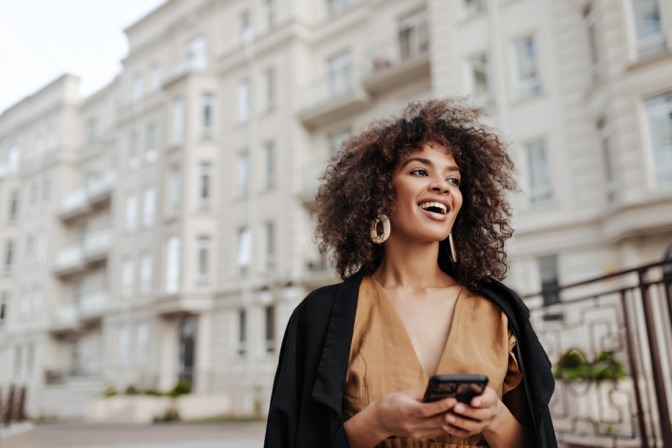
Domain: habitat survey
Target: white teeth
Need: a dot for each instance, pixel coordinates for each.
(438, 205)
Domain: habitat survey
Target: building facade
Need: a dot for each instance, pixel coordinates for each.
(161, 229)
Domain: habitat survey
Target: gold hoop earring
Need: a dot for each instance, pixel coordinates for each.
(453, 252)
(376, 237)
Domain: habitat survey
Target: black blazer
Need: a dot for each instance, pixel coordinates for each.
(306, 404)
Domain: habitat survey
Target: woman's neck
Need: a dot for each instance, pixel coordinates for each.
(412, 266)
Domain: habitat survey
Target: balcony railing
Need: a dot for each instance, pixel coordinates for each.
(92, 304)
(80, 200)
(70, 259)
(97, 244)
(335, 94)
(610, 349)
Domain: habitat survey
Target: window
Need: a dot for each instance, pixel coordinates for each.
(9, 257)
(146, 273)
(46, 190)
(659, 118)
(269, 314)
(52, 140)
(32, 199)
(245, 33)
(148, 206)
(174, 191)
(14, 159)
(529, 83)
(134, 150)
(590, 20)
(473, 7)
(131, 218)
(244, 250)
(243, 101)
(137, 87)
(269, 156)
(269, 77)
(271, 13)
(141, 343)
(150, 142)
(336, 6)
(242, 332)
(605, 135)
(4, 303)
(269, 231)
(205, 186)
(124, 344)
(206, 117)
(649, 28)
(14, 206)
(413, 35)
(91, 130)
(18, 361)
(155, 78)
(339, 69)
(197, 54)
(336, 140)
(172, 279)
(243, 174)
(203, 250)
(538, 174)
(478, 71)
(127, 277)
(177, 131)
(548, 273)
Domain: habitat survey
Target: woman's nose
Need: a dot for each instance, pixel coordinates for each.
(440, 186)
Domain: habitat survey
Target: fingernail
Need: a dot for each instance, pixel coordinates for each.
(459, 408)
(477, 402)
(450, 418)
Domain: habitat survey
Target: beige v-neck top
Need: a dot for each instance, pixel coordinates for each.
(383, 360)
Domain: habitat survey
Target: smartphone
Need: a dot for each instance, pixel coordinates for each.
(462, 387)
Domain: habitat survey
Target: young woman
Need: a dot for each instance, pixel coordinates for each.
(415, 214)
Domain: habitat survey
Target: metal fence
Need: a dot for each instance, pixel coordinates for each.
(12, 405)
(609, 340)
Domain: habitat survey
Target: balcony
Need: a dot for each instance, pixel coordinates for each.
(70, 261)
(97, 191)
(180, 304)
(184, 68)
(92, 305)
(100, 188)
(391, 64)
(74, 204)
(65, 320)
(97, 245)
(332, 97)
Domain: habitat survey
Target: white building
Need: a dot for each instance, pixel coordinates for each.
(161, 228)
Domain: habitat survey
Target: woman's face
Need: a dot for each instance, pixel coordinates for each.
(427, 193)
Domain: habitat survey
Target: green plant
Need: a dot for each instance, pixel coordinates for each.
(574, 365)
(182, 387)
(109, 391)
(131, 390)
(153, 393)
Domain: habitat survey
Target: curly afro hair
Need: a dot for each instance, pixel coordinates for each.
(357, 187)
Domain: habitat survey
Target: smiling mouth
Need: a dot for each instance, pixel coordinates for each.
(434, 207)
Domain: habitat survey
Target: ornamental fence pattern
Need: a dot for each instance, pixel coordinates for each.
(609, 340)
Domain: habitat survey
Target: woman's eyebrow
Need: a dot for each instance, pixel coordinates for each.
(428, 163)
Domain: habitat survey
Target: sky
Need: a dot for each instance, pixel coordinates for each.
(42, 39)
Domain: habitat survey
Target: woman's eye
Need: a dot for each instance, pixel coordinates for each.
(419, 172)
(454, 180)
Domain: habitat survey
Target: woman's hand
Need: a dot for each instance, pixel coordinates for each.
(477, 417)
(404, 414)
(400, 414)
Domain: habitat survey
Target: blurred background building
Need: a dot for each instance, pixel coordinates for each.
(162, 228)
